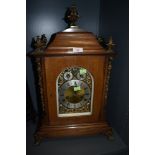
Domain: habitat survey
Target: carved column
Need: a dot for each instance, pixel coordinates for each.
(109, 67)
(40, 81)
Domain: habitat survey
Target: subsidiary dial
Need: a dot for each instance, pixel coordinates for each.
(81, 76)
(68, 76)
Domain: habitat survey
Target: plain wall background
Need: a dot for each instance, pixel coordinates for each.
(114, 20)
(105, 18)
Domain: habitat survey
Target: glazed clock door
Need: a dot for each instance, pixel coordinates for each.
(75, 87)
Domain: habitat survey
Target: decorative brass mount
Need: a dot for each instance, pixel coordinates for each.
(39, 42)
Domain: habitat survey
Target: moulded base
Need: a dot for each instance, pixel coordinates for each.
(73, 130)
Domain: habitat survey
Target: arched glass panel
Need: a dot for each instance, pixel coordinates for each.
(75, 90)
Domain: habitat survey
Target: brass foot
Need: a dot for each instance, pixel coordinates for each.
(109, 134)
(37, 139)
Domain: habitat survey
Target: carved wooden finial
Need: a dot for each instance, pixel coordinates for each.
(72, 15)
(110, 44)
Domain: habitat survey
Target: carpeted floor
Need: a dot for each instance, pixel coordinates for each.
(87, 145)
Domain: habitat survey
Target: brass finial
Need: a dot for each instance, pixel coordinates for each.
(110, 44)
(72, 15)
(40, 42)
(101, 40)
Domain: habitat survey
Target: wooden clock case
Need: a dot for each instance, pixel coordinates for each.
(50, 61)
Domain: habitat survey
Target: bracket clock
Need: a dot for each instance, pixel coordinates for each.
(73, 76)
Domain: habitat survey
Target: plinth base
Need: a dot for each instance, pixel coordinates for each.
(72, 130)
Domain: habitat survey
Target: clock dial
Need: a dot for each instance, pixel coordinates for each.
(74, 92)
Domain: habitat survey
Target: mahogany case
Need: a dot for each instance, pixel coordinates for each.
(51, 61)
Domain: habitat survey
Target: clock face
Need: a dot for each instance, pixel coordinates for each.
(74, 92)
